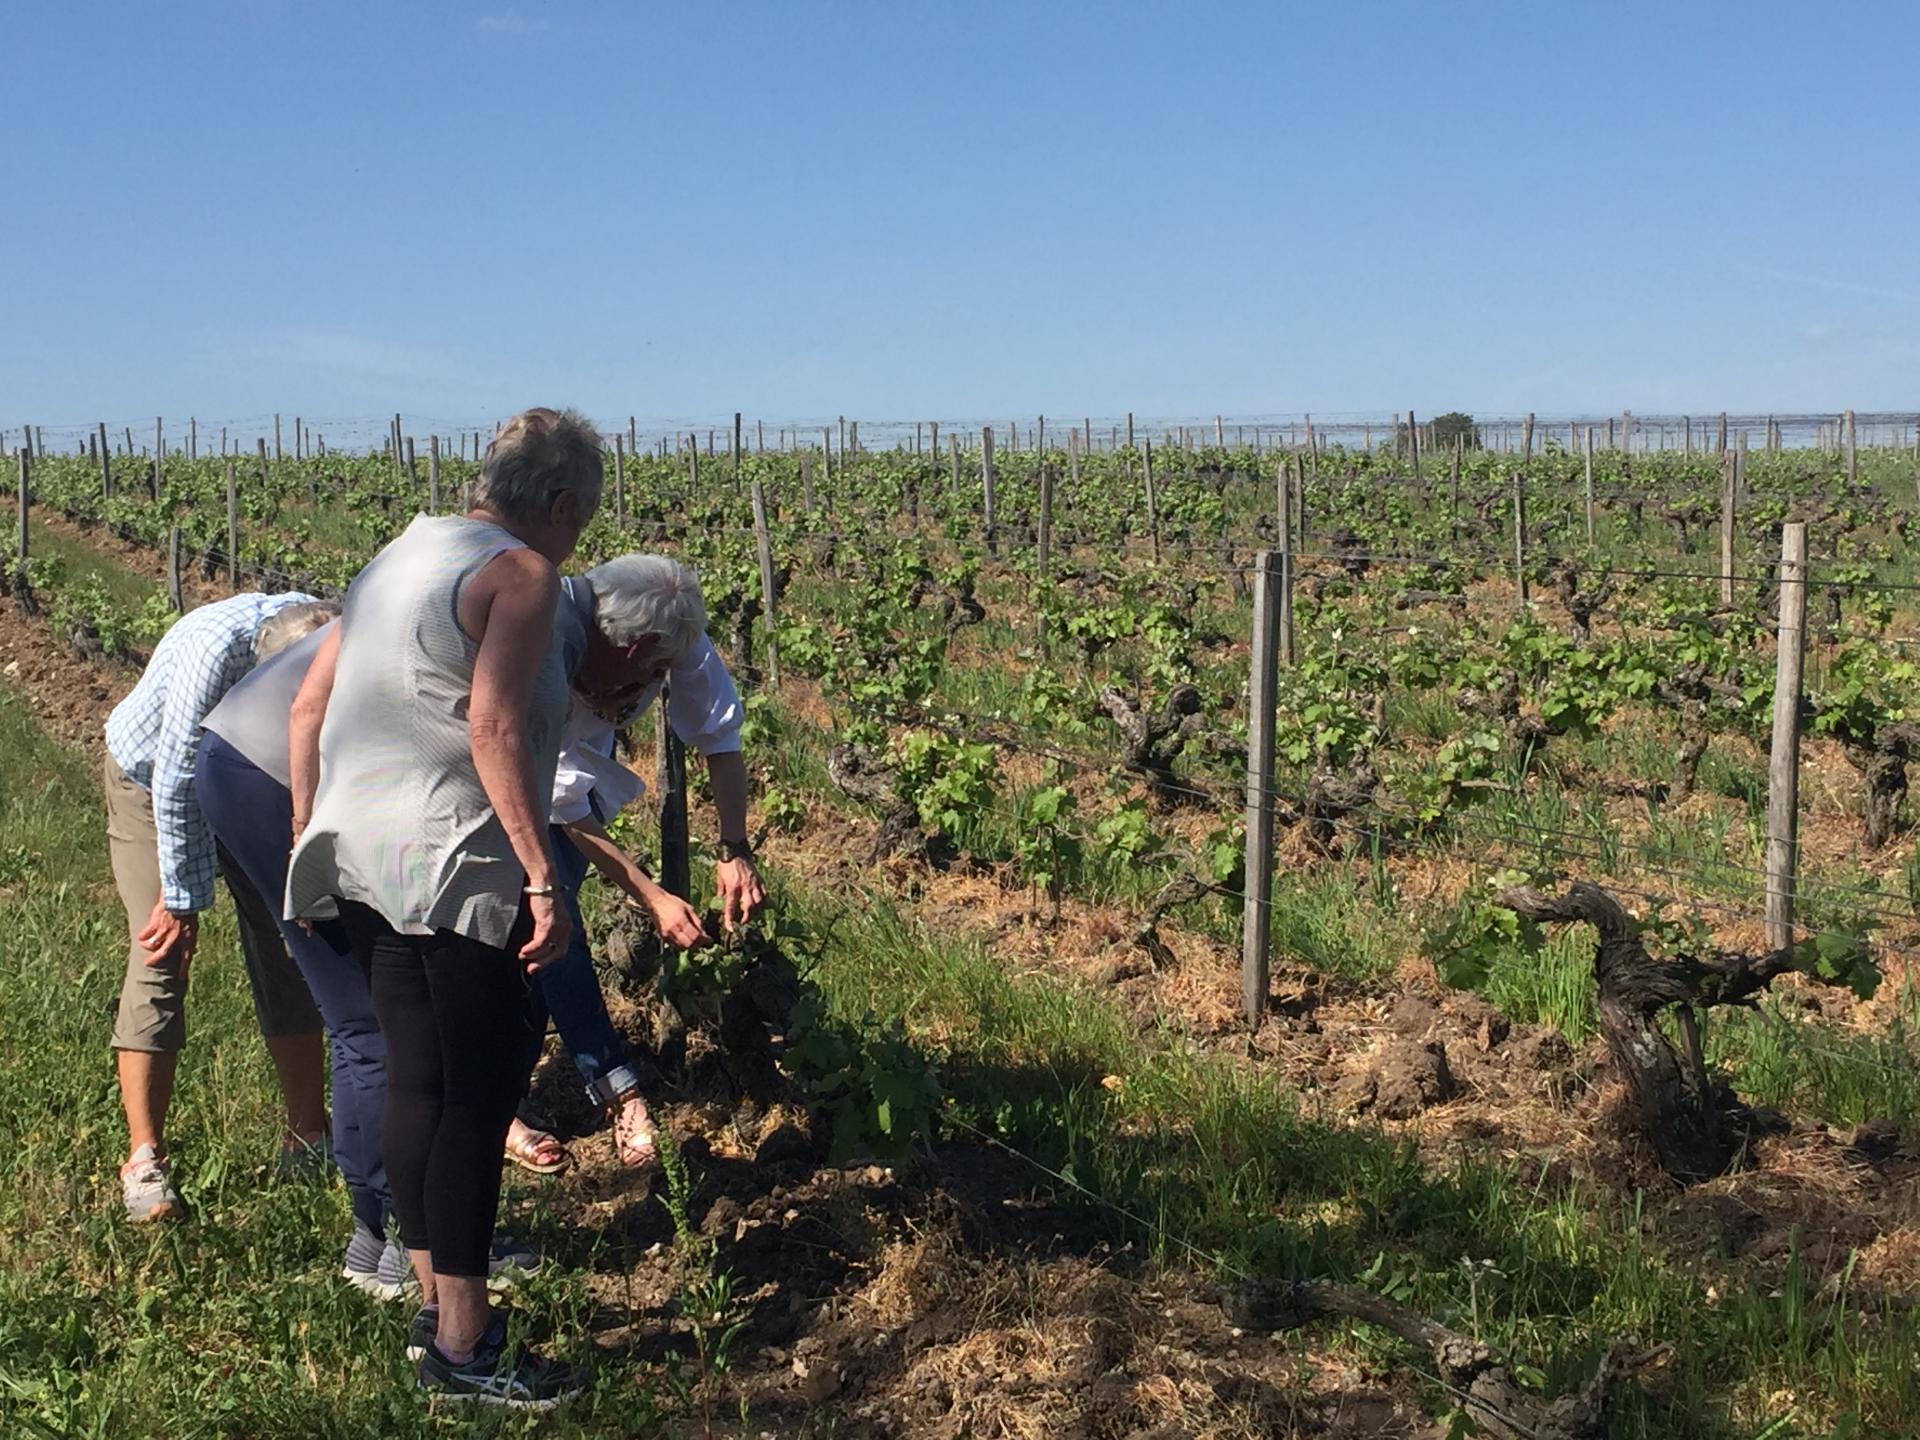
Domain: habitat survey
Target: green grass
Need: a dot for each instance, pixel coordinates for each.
(77, 560)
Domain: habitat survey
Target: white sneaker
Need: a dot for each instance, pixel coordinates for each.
(147, 1184)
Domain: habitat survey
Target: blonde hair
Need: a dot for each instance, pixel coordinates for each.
(535, 454)
(283, 627)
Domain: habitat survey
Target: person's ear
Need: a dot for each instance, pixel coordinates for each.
(565, 510)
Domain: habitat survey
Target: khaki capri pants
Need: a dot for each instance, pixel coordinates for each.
(152, 1014)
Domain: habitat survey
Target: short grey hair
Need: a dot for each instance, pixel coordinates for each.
(639, 595)
(535, 454)
(294, 622)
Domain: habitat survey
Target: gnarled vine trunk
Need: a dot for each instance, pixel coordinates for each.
(1697, 1126)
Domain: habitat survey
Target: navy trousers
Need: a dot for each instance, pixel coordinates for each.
(252, 814)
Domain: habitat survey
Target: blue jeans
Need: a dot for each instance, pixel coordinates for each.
(572, 992)
(252, 814)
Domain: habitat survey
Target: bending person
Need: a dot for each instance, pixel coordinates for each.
(658, 600)
(165, 858)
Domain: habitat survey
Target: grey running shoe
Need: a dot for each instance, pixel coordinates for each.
(509, 1261)
(377, 1267)
(500, 1374)
(426, 1325)
(147, 1183)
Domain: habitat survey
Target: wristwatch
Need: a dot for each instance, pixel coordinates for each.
(736, 849)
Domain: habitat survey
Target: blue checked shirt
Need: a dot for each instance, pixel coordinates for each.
(154, 734)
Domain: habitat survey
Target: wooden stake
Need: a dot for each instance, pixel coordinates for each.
(1520, 536)
(175, 592)
(986, 481)
(1589, 484)
(1284, 575)
(1783, 770)
(1413, 440)
(1526, 441)
(1256, 928)
(433, 474)
(1853, 454)
(676, 862)
(26, 484)
(106, 467)
(233, 528)
(1726, 527)
(1153, 501)
(620, 481)
(276, 437)
(763, 545)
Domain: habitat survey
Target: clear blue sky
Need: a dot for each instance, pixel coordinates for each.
(908, 209)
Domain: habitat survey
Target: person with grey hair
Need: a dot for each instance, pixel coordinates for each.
(421, 748)
(647, 608)
(165, 859)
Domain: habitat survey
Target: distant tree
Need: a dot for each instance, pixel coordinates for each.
(1454, 426)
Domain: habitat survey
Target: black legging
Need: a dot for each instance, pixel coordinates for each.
(462, 1031)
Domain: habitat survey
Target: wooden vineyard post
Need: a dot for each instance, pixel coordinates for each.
(299, 441)
(1153, 501)
(1300, 498)
(233, 528)
(933, 441)
(159, 456)
(413, 475)
(433, 474)
(1453, 487)
(1130, 429)
(1045, 538)
(1727, 502)
(986, 482)
(1853, 455)
(1783, 772)
(953, 444)
(106, 466)
(1256, 928)
(175, 592)
(1686, 426)
(1721, 443)
(1413, 440)
(1219, 433)
(1589, 484)
(1520, 536)
(620, 481)
(1526, 441)
(763, 547)
(826, 456)
(760, 437)
(276, 437)
(1285, 574)
(633, 438)
(262, 443)
(676, 862)
(736, 452)
(806, 476)
(193, 438)
(26, 484)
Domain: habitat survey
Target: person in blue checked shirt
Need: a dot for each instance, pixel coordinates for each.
(165, 859)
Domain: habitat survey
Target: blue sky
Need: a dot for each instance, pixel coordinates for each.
(912, 209)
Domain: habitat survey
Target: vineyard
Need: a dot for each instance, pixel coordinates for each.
(1581, 1093)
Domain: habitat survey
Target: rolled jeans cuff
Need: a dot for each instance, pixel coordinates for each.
(607, 1088)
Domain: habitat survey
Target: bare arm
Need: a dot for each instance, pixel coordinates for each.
(679, 922)
(509, 606)
(303, 728)
(742, 893)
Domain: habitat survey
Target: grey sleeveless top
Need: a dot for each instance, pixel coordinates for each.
(401, 822)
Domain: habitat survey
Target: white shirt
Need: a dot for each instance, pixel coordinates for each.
(703, 707)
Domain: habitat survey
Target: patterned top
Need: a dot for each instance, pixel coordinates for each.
(401, 822)
(154, 733)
